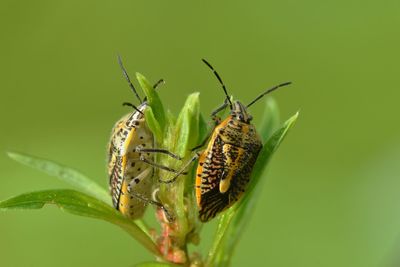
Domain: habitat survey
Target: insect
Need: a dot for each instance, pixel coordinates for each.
(225, 165)
(131, 160)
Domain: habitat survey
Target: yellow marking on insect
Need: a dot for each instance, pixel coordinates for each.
(198, 178)
(131, 160)
(126, 168)
(233, 166)
(225, 165)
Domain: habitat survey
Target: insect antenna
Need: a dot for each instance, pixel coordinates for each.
(132, 106)
(125, 73)
(267, 92)
(157, 84)
(220, 81)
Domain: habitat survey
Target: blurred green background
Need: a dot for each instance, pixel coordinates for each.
(332, 192)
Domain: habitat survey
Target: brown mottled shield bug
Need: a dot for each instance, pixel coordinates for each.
(131, 160)
(225, 165)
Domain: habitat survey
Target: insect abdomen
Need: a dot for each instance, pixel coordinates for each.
(225, 167)
(126, 169)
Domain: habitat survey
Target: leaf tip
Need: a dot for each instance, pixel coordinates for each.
(193, 98)
(140, 76)
(11, 154)
(293, 119)
(296, 114)
(21, 158)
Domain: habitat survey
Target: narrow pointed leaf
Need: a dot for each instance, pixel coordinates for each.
(188, 124)
(153, 99)
(233, 221)
(79, 204)
(153, 124)
(270, 119)
(267, 151)
(66, 174)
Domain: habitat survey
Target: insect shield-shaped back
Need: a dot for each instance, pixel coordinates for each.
(127, 171)
(131, 161)
(225, 166)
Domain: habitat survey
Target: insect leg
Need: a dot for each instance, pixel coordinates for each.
(202, 143)
(162, 167)
(182, 171)
(140, 149)
(153, 202)
(214, 116)
(216, 119)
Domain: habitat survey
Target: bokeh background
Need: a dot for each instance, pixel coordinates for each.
(332, 195)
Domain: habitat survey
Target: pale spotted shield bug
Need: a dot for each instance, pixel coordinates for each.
(226, 163)
(131, 160)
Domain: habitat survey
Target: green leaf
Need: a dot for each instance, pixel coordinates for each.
(270, 119)
(70, 176)
(233, 222)
(64, 173)
(153, 124)
(267, 151)
(187, 125)
(153, 99)
(79, 204)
